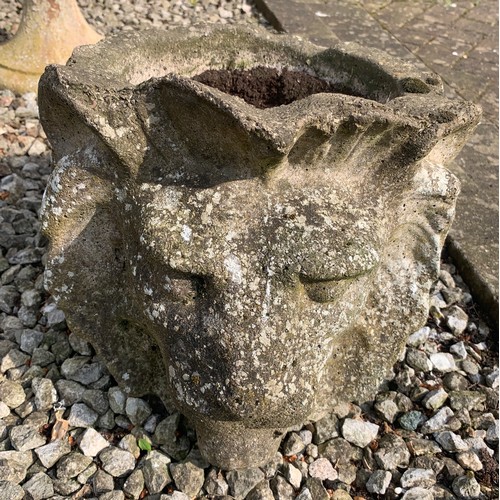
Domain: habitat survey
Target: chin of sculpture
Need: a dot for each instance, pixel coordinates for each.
(244, 224)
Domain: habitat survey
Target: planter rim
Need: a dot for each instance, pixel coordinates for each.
(186, 52)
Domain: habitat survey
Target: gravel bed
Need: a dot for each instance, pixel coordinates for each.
(68, 431)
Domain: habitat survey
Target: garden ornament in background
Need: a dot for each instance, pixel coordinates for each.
(245, 224)
(48, 33)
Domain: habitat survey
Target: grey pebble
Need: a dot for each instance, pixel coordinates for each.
(82, 416)
(422, 478)
(188, 477)
(241, 482)
(117, 462)
(392, 452)
(466, 487)
(134, 484)
(71, 465)
(39, 486)
(50, 453)
(261, 492)
(45, 393)
(102, 482)
(359, 432)
(379, 482)
(26, 437)
(11, 491)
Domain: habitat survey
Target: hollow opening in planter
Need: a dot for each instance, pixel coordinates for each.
(265, 87)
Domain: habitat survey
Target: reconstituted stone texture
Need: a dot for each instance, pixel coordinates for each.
(458, 41)
(479, 379)
(206, 246)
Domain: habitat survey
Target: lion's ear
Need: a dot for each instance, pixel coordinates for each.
(77, 115)
(201, 135)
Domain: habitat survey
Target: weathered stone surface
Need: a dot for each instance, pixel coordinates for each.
(39, 486)
(358, 432)
(26, 437)
(71, 465)
(12, 393)
(117, 462)
(421, 478)
(221, 251)
(11, 491)
(155, 470)
(188, 477)
(50, 453)
(378, 482)
(241, 482)
(92, 443)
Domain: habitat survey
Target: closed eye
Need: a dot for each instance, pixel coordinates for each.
(329, 290)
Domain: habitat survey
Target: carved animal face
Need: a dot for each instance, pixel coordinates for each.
(252, 265)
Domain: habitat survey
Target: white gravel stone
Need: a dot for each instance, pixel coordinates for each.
(12, 393)
(26, 437)
(92, 443)
(156, 472)
(379, 482)
(418, 494)
(423, 478)
(359, 432)
(492, 432)
(492, 379)
(11, 491)
(435, 399)
(419, 337)
(466, 487)
(188, 477)
(457, 319)
(323, 469)
(292, 474)
(443, 362)
(438, 422)
(72, 465)
(469, 460)
(134, 484)
(459, 350)
(451, 442)
(4, 409)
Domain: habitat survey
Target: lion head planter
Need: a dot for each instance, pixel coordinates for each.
(245, 224)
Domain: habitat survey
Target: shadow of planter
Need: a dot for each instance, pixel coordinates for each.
(245, 224)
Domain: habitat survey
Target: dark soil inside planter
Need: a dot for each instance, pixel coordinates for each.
(266, 87)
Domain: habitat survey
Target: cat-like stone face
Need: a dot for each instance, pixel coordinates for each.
(252, 266)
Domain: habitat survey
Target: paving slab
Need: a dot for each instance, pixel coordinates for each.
(459, 41)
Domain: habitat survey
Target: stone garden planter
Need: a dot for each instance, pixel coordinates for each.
(244, 224)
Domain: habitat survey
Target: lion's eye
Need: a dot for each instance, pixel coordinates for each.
(328, 290)
(324, 291)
